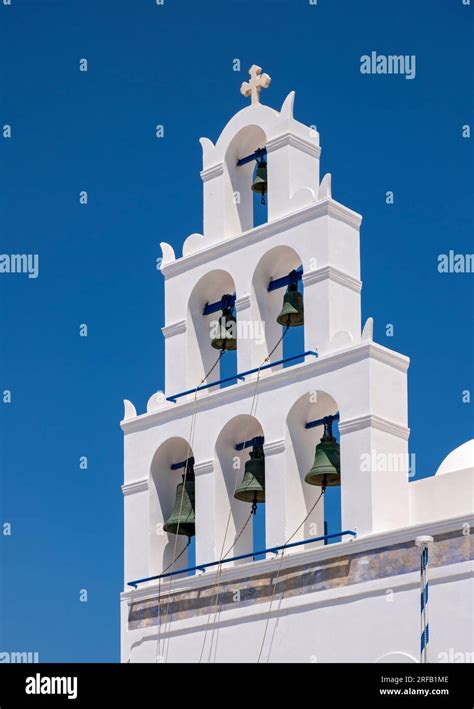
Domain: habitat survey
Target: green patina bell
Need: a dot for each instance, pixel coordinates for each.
(326, 469)
(182, 519)
(260, 185)
(226, 337)
(292, 313)
(252, 487)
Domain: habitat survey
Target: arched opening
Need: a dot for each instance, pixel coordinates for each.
(242, 206)
(233, 514)
(305, 428)
(204, 320)
(270, 284)
(166, 474)
(396, 658)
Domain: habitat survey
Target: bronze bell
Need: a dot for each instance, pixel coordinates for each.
(226, 338)
(326, 469)
(182, 519)
(252, 487)
(292, 312)
(260, 185)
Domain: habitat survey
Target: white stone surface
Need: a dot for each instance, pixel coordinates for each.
(365, 382)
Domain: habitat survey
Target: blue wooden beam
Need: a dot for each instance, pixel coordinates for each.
(260, 153)
(272, 550)
(215, 307)
(320, 422)
(182, 464)
(239, 375)
(292, 277)
(257, 441)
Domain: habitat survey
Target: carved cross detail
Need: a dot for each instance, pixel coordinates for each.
(258, 81)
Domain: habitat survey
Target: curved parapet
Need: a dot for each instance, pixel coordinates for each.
(167, 254)
(286, 111)
(194, 242)
(325, 188)
(129, 411)
(207, 148)
(302, 198)
(340, 340)
(368, 331)
(156, 402)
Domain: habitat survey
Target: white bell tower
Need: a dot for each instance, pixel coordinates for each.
(344, 372)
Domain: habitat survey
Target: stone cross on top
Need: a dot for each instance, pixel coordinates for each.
(258, 81)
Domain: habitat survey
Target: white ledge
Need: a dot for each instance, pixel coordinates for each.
(317, 599)
(274, 447)
(306, 370)
(372, 421)
(203, 468)
(305, 146)
(175, 328)
(242, 303)
(136, 486)
(333, 274)
(349, 547)
(325, 208)
(214, 171)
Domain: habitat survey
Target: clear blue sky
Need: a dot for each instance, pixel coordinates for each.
(94, 131)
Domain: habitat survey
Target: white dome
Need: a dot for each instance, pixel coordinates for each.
(461, 458)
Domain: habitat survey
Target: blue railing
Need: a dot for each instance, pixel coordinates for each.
(274, 550)
(239, 375)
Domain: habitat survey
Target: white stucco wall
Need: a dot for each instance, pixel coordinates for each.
(364, 622)
(365, 382)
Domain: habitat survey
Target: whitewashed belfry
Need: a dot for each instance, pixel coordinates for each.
(321, 600)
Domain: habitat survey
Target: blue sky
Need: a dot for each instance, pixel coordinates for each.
(95, 131)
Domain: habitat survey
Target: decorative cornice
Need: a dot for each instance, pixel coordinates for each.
(351, 547)
(174, 328)
(333, 274)
(242, 303)
(207, 466)
(371, 421)
(307, 370)
(296, 142)
(390, 357)
(136, 486)
(325, 208)
(214, 171)
(274, 447)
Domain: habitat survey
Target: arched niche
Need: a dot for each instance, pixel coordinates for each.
(276, 263)
(300, 451)
(200, 354)
(238, 213)
(163, 484)
(231, 514)
(396, 658)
